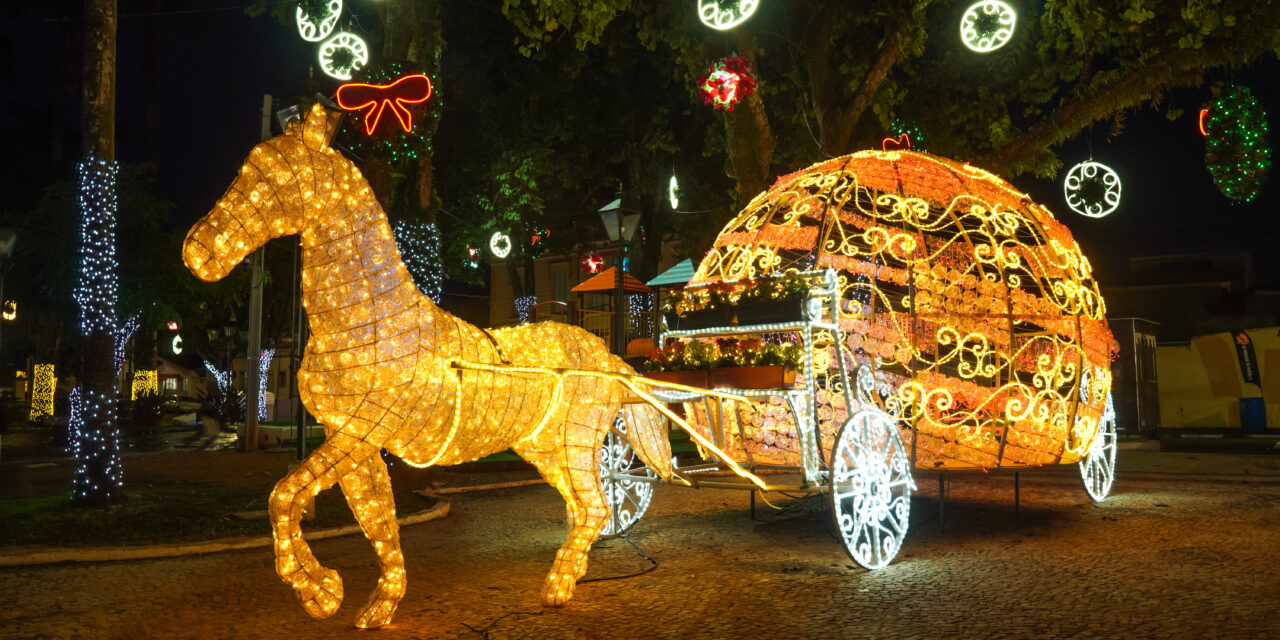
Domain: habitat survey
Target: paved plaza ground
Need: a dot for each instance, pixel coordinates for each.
(1182, 549)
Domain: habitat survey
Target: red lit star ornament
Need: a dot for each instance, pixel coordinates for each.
(377, 98)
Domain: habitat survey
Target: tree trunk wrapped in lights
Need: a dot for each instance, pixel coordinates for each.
(94, 429)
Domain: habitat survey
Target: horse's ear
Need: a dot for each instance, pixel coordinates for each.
(320, 126)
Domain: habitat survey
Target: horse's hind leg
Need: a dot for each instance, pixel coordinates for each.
(569, 459)
(319, 589)
(368, 493)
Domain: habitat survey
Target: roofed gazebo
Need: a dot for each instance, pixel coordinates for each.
(600, 321)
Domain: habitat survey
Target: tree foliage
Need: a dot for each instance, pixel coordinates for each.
(835, 76)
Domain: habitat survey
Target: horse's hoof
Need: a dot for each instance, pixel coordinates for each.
(559, 589)
(377, 613)
(322, 599)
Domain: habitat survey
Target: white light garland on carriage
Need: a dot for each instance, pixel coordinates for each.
(264, 368)
(722, 15)
(176, 345)
(987, 25)
(317, 28)
(673, 192)
(330, 58)
(1092, 189)
(450, 416)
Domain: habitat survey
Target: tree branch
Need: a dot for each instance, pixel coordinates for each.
(751, 139)
(1174, 69)
(817, 62)
(836, 139)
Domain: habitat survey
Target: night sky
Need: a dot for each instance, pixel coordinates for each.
(215, 64)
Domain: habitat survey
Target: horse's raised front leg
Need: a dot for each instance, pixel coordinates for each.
(368, 493)
(319, 589)
(569, 460)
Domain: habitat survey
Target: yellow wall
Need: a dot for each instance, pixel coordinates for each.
(1201, 384)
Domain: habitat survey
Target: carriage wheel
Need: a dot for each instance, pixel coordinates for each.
(871, 488)
(1098, 468)
(627, 498)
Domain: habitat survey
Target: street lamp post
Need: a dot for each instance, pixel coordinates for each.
(621, 225)
(8, 237)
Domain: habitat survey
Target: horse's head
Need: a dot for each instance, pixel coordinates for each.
(283, 184)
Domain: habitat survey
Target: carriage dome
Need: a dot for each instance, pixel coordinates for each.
(972, 304)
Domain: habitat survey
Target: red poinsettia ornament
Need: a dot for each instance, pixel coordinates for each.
(592, 263)
(727, 82)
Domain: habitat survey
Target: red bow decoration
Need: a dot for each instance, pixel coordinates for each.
(903, 143)
(413, 89)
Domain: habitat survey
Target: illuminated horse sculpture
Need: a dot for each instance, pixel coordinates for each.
(378, 371)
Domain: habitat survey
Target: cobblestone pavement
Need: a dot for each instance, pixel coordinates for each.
(1164, 557)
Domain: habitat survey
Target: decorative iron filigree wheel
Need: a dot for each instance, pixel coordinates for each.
(627, 498)
(871, 488)
(1098, 468)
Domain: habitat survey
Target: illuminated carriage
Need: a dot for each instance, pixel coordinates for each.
(969, 312)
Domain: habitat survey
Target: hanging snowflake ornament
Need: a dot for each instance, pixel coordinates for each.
(725, 14)
(343, 55)
(987, 25)
(1237, 150)
(317, 19)
(500, 244)
(1092, 189)
(727, 82)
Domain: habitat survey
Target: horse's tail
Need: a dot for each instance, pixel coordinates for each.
(647, 434)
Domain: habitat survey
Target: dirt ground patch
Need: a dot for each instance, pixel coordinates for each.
(191, 496)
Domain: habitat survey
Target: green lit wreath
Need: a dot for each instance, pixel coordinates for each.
(1236, 150)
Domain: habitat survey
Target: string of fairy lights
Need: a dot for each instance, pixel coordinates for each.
(264, 369)
(96, 289)
(419, 244)
(145, 383)
(123, 334)
(94, 447)
(221, 379)
(93, 427)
